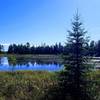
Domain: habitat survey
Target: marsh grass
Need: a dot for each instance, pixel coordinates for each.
(25, 85)
(38, 85)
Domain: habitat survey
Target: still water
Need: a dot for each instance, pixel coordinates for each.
(14, 64)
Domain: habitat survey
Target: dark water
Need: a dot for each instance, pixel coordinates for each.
(20, 63)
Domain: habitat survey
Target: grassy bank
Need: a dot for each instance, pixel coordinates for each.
(33, 85)
(37, 57)
(25, 85)
(32, 55)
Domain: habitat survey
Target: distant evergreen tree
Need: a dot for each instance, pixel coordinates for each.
(72, 80)
(92, 48)
(98, 48)
(27, 46)
(10, 49)
(1, 48)
(87, 50)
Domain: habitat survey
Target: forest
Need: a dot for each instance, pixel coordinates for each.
(91, 49)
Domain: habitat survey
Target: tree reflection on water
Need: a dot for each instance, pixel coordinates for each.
(13, 63)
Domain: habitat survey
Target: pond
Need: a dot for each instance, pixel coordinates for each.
(21, 63)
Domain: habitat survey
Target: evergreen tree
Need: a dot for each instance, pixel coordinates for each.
(1, 48)
(98, 49)
(73, 79)
(92, 48)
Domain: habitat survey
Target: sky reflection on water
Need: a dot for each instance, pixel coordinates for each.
(28, 64)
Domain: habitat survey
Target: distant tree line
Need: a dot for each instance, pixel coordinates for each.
(43, 49)
(91, 49)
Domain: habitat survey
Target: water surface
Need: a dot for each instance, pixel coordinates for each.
(20, 63)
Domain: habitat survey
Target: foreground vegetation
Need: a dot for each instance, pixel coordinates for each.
(29, 85)
(25, 85)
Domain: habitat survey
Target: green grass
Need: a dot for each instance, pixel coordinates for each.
(34, 85)
(25, 85)
(32, 55)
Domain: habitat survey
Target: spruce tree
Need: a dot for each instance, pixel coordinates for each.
(73, 81)
(92, 49)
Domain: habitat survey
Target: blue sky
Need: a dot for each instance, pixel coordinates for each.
(39, 21)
